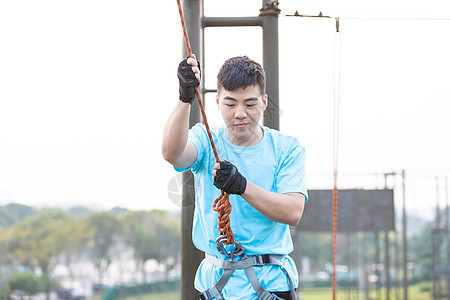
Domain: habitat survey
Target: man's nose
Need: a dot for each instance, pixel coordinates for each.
(240, 112)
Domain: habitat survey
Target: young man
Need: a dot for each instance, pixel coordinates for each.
(263, 170)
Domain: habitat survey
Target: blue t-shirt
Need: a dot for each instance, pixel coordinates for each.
(277, 164)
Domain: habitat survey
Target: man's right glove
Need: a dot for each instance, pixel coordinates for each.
(188, 81)
(229, 180)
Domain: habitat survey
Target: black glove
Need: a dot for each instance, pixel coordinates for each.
(188, 81)
(229, 180)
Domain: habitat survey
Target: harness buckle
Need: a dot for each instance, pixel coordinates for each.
(205, 296)
(262, 260)
(237, 249)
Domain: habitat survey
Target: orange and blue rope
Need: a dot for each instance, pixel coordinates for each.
(222, 203)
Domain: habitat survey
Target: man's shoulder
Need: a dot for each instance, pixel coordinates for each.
(281, 138)
(200, 132)
(200, 127)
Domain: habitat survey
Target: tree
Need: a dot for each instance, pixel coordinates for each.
(13, 213)
(35, 242)
(104, 236)
(3, 262)
(75, 237)
(167, 239)
(26, 281)
(420, 251)
(315, 246)
(152, 235)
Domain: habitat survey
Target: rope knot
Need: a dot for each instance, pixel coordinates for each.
(223, 207)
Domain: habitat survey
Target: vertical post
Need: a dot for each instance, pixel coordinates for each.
(437, 247)
(190, 256)
(366, 269)
(193, 10)
(434, 262)
(405, 242)
(356, 274)
(269, 13)
(387, 265)
(350, 265)
(447, 237)
(397, 265)
(377, 262)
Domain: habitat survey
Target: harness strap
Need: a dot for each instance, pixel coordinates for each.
(223, 280)
(262, 293)
(257, 260)
(247, 263)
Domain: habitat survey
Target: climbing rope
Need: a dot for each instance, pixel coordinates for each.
(336, 109)
(222, 203)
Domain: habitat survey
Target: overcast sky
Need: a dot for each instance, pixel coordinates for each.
(86, 86)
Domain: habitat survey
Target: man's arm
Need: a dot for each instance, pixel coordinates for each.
(176, 148)
(283, 208)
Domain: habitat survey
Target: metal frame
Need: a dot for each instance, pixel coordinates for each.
(195, 23)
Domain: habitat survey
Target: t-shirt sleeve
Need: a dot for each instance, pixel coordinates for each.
(197, 136)
(291, 177)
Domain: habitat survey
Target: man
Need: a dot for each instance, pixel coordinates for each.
(262, 169)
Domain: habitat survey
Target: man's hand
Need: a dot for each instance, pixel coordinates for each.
(189, 78)
(227, 178)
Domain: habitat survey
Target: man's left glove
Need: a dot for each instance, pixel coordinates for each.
(187, 81)
(229, 180)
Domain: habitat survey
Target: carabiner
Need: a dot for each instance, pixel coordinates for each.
(237, 249)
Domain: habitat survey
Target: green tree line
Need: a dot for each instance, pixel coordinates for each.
(39, 240)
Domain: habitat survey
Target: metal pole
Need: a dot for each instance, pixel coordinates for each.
(190, 256)
(387, 265)
(269, 13)
(405, 242)
(437, 246)
(377, 262)
(386, 249)
(397, 265)
(447, 237)
(350, 265)
(356, 264)
(433, 261)
(366, 270)
(231, 21)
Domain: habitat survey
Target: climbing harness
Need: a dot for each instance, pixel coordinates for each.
(246, 263)
(222, 205)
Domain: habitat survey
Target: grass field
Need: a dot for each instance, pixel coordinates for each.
(414, 293)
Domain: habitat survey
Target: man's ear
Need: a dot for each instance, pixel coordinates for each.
(217, 100)
(265, 100)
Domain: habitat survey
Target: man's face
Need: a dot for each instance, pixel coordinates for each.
(241, 111)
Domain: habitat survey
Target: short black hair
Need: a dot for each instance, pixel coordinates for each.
(240, 72)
